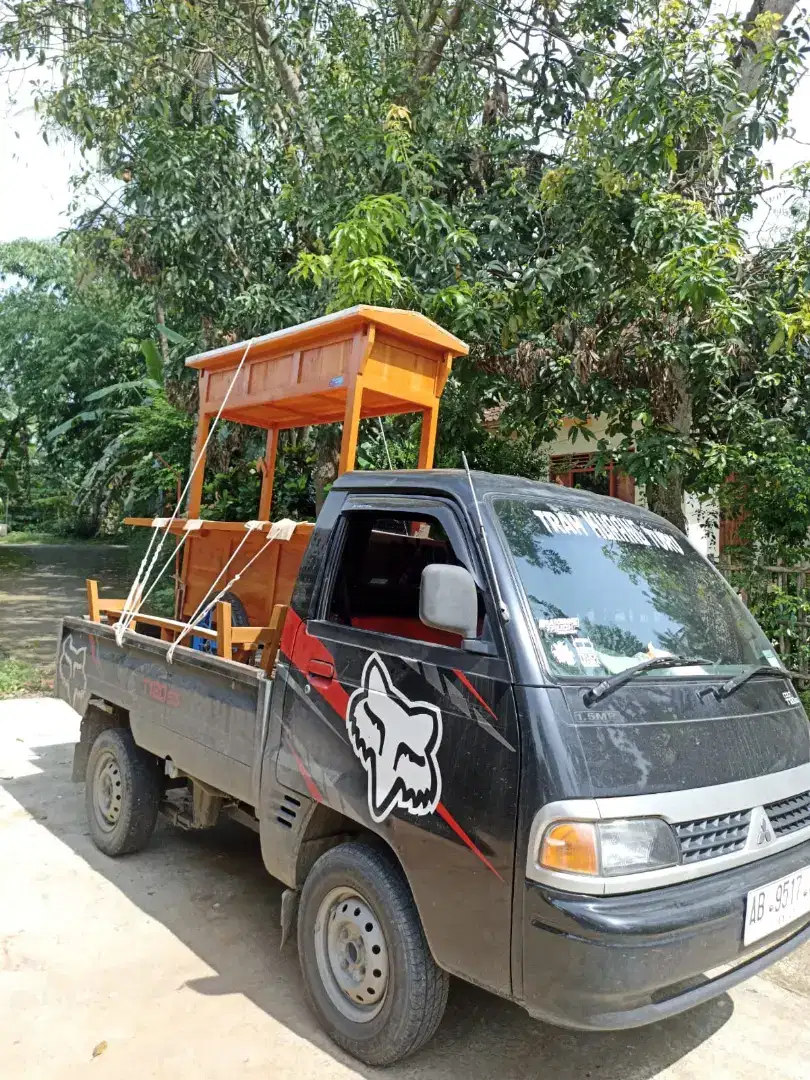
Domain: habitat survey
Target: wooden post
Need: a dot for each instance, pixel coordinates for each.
(427, 444)
(266, 497)
(276, 628)
(92, 600)
(224, 627)
(196, 486)
(351, 426)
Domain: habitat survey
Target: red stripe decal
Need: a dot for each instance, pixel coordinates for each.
(445, 814)
(463, 678)
(311, 788)
(301, 647)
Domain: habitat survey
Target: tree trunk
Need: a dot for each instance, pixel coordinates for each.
(326, 466)
(666, 498)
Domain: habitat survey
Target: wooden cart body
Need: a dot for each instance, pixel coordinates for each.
(362, 362)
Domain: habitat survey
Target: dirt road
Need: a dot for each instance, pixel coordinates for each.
(167, 964)
(41, 582)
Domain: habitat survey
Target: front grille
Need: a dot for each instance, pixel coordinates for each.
(708, 838)
(791, 814)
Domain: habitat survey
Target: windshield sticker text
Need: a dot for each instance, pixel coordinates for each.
(560, 627)
(606, 527)
(586, 652)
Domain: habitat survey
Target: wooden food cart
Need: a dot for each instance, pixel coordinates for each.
(358, 363)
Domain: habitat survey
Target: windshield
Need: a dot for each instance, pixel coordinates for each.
(607, 592)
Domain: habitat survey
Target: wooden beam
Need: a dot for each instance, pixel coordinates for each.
(196, 486)
(240, 635)
(224, 629)
(427, 444)
(92, 600)
(274, 639)
(270, 454)
(351, 426)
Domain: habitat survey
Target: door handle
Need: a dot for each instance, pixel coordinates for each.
(321, 669)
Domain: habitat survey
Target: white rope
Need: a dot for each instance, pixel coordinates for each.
(163, 570)
(131, 604)
(279, 530)
(385, 443)
(203, 608)
(136, 582)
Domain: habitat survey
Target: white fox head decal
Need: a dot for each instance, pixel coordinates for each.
(71, 671)
(396, 740)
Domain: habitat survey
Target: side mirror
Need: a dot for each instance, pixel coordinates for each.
(448, 600)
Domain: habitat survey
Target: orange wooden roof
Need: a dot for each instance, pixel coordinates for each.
(406, 324)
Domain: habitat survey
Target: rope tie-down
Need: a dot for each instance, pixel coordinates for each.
(279, 530)
(135, 596)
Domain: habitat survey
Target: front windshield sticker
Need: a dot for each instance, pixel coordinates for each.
(558, 627)
(771, 658)
(563, 653)
(606, 527)
(586, 652)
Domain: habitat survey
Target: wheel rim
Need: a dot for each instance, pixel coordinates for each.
(352, 954)
(107, 791)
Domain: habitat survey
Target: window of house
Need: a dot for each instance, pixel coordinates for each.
(579, 471)
(378, 580)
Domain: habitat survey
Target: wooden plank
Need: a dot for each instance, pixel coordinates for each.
(302, 528)
(351, 426)
(270, 454)
(93, 609)
(195, 489)
(427, 444)
(274, 639)
(224, 638)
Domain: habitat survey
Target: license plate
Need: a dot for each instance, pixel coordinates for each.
(776, 905)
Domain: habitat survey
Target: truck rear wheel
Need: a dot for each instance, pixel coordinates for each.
(368, 970)
(122, 793)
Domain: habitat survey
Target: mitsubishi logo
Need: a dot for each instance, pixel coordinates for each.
(760, 832)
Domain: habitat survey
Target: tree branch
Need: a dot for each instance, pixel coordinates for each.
(407, 18)
(287, 76)
(433, 57)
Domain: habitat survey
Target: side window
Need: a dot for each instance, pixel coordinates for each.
(376, 584)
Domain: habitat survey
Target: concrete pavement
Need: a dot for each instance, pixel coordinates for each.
(167, 964)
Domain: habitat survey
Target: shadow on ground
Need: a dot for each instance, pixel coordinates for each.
(211, 891)
(47, 581)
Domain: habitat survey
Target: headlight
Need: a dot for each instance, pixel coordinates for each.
(609, 848)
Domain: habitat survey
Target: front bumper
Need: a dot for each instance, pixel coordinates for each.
(607, 962)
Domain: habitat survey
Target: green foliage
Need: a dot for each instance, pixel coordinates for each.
(564, 186)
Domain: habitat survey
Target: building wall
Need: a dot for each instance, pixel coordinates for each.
(701, 517)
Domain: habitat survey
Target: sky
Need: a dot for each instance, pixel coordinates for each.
(35, 191)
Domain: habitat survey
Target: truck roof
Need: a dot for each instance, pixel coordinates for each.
(454, 482)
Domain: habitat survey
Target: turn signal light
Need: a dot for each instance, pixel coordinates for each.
(572, 847)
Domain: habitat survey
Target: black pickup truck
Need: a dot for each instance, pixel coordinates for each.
(516, 733)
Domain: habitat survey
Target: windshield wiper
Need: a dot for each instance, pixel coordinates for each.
(728, 688)
(602, 689)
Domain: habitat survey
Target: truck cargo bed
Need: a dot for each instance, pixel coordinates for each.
(205, 713)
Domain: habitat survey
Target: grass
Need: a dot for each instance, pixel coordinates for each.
(18, 678)
(25, 536)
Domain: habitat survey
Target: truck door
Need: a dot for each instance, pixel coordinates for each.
(401, 728)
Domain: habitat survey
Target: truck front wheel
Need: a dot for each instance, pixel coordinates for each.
(370, 976)
(122, 793)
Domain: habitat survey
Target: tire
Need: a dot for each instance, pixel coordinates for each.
(238, 613)
(357, 896)
(122, 793)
